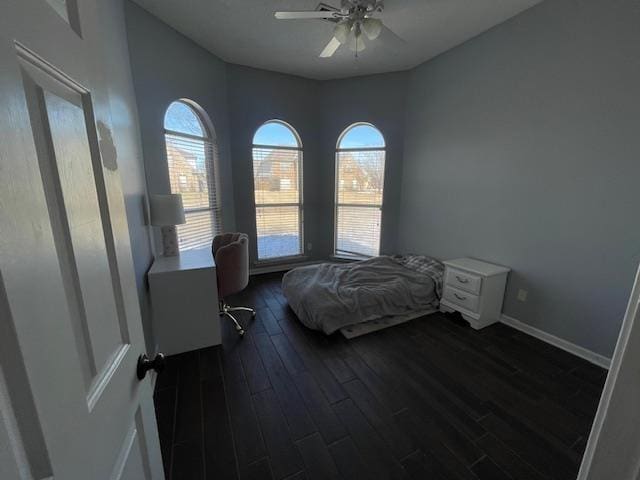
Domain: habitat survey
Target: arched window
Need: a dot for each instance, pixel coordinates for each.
(277, 181)
(360, 158)
(191, 158)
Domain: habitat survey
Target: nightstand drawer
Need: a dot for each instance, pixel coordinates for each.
(463, 280)
(464, 299)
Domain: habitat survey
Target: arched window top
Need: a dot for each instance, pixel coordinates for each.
(184, 118)
(192, 166)
(276, 133)
(361, 135)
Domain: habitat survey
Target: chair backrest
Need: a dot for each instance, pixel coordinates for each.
(231, 253)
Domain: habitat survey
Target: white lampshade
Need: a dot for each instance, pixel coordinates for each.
(166, 210)
(341, 32)
(372, 28)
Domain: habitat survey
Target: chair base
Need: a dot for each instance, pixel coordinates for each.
(225, 310)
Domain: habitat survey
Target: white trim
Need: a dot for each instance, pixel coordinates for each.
(565, 345)
(598, 440)
(280, 267)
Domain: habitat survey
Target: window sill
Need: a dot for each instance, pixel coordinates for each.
(343, 257)
(280, 260)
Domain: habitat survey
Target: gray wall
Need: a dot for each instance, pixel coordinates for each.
(523, 148)
(124, 121)
(167, 66)
(256, 96)
(377, 99)
(319, 111)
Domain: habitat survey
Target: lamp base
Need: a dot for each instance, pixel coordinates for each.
(169, 241)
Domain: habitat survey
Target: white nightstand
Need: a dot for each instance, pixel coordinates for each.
(475, 289)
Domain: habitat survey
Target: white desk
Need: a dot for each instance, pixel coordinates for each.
(184, 302)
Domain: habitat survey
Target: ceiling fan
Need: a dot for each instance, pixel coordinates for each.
(354, 20)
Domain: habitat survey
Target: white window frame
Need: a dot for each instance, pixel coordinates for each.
(343, 253)
(211, 164)
(300, 203)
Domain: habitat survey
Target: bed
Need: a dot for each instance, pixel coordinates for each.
(364, 296)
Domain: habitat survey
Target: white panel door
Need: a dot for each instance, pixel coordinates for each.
(71, 406)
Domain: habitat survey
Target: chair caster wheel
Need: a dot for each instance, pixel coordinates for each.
(253, 314)
(241, 333)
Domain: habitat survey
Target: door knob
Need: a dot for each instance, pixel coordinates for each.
(145, 364)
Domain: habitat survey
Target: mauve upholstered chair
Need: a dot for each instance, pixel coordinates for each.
(231, 253)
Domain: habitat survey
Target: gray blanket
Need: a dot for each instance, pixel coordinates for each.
(330, 296)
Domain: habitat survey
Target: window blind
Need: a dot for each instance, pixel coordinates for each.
(359, 192)
(278, 197)
(192, 174)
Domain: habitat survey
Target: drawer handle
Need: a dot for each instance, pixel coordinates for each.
(461, 279)
(459, 297)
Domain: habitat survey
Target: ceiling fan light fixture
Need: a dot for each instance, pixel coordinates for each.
(356, 42)
(372, 28)
(342, 31)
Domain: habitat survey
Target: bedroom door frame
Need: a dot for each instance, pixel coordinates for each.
(613, 449)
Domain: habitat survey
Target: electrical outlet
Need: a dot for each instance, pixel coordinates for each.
(522, 295)
(309, 246)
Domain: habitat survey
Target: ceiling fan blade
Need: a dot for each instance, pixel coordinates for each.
(306, 15)
(331, 48)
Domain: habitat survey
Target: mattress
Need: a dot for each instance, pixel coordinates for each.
(331, 296)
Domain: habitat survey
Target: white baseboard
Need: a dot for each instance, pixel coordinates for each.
(280, 267)
(577, 350)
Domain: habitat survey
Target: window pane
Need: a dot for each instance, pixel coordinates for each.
(362, 136)
(198, 231)
(275, 175)
(361, 177)
(180, 117)
(192, 174)
(188, 170)
(358, 230)
(278, 230)
(276, 134)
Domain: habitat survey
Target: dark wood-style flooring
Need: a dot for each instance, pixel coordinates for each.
(430, 399)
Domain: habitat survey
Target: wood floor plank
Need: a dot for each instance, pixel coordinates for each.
(381, 419)
(368, 442)
(269, 321)
(247, 434)
(219, 454)
(430, 442)
(210, 363)
(429, 399)
(312, 361)
(348, 460)
(254, 370)
(421, 466)
(288, 355)
(318, 462)
(188, 462)
(165, 403)
(294, 408)
(259, 470)
(321, 412)
(506, 459)
(485, 469)
(530, 447)
(285, 459)
(188, 423)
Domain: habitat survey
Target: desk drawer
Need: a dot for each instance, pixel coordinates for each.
(464, 299)
(463, 280)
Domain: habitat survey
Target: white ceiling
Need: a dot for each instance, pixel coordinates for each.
(245, 32)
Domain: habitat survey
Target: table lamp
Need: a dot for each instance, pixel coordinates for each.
(167, 212)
